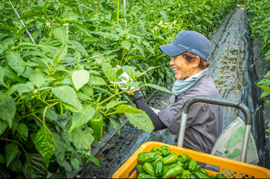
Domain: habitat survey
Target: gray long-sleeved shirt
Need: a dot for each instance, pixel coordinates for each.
(204, 121)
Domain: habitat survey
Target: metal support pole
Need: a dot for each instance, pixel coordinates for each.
(22, 23)
(80, 9)
(93, 57)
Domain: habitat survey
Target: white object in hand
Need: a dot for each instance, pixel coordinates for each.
(125, 75)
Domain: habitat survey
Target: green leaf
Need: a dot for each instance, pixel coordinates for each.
(67, 166)
(23, 130)
(50, 114)
(60, 54)
(108, 71)
(140, 74)
(15, 62)
(115, 125)
(2, 158)
(76, 164)
(8, 110)
(123, 108)
(111, 104)
(3, 126)
(34, 166)
(71, 108)
(60, 34)
(265, 88)
(44, 143)
(159, 88)
(16, 165)
(97, 81)
(267, 104)
(79, 47)
(79, 119)
(267, 74)
(80, 78)
(87, 90)
(25, 88)
(126, 45)
(81, 138)
(93, 159)
(265, 94)
(149, 47)
(83, 28)
(59, 147)
(142, 121)
(67, 95)
(77, 58)
(37, 80)
(130, 71)
(2, 74)
(11, 151)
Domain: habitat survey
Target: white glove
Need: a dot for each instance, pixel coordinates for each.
(155, 110)
(123, 81)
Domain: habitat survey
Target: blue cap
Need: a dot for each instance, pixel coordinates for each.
(188, 41)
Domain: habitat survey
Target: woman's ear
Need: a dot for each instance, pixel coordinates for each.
(196, 61)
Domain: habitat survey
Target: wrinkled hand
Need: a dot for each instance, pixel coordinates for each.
(123, 81)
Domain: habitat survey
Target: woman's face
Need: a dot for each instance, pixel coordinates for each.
(182, 68)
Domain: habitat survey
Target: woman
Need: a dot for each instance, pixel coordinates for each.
(188, 52)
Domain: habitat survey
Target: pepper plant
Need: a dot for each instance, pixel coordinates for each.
(53, 107)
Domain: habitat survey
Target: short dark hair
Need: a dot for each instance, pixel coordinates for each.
(189, 57)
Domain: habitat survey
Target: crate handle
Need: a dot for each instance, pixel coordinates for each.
(218, 101)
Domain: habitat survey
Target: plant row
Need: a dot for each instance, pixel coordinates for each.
(259, 17)
(53, 107)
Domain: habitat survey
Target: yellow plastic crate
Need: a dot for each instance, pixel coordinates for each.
(230, 168)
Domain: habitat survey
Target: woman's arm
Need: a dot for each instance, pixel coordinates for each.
(140, 102)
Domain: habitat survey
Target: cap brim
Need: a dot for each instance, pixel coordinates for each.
(172, 50)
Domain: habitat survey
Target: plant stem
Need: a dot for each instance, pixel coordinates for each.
(44, 113)
(18, 144)
(37, 118)
(111, 97)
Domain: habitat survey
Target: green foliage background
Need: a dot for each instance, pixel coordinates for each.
(47, 97)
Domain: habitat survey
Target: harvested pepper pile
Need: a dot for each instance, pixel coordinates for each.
(161, 163)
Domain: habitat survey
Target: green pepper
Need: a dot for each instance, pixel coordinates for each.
(148, 168)
(139, 168)
(212, 176)
(219, 176)
(186, 165)
(96, 124)
(144, 175)
(165, 150)
(192, 165)
(159, 169)
(192, 176)
(183, 158)
(200, 175)
(167, 167)
(174, 171)
(157, 150)
(197, 169)
(185, 176)
(146, 157)
(158, 158)
(204, 172)
(172, 158)
(186, 172)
